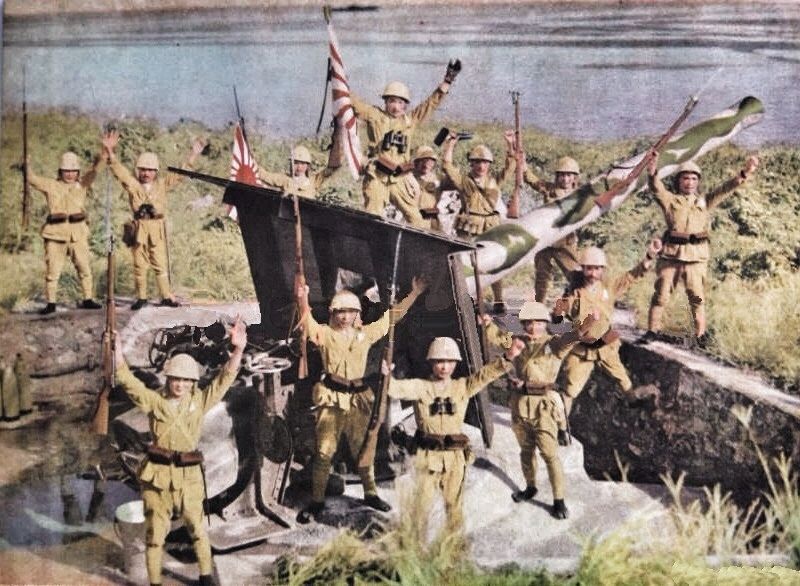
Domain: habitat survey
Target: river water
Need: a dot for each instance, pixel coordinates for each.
(585, 71)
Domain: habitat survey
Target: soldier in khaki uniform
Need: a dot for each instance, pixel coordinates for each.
(390, 134)
(147, 195)
(342, 398)
(600, 346)
(564, 252)
(684, 257)
(429, 184)
(538, 418)
(171, 475)
(302, 181)
(65, 231)
(480, 194)
(440, 404)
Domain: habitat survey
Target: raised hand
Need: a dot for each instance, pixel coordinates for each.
(418, 284)
(652, 163)
(238, 333)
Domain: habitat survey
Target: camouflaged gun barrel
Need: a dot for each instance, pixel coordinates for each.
(505, 248)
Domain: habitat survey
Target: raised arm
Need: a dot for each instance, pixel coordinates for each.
(144, 398)
(495, 369)
(378, 329)
(662, 194)
(124, 176)
(450, 170)
(623, 283)
(198, 145)
(220, 385)
(511, 161)
(722, 192)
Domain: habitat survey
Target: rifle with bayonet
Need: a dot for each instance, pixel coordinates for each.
(26, 190)
(513, 204)
(299, 285)
(366, 456)
(239, 116)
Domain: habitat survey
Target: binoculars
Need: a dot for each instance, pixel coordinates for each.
(443, 133)
(146, 210)
(442, 406)
(394, 139)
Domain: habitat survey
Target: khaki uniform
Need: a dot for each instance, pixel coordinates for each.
(306, 186)
(175, 425)
(381, 188)
(150, 247)
(344, 354)
(430, 188)
(688, 218)
(67, 238)
(444, 470)
(605, 350)
(564, 252)
(537, 418)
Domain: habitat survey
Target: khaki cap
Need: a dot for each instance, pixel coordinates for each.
(444, 349)
(533, 310)
(593, 257)
(567, 165)
(300, 154)
(70, 162)
(182, 366)
(147, 161)
(480, 153)
(396, 89)
(689, 167)
(425, 152)
(344, 300)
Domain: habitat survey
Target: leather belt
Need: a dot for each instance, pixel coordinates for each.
(159, 455)
(483, 215)
(147, 216)
(675, 237)
(344, 385)
(61, 218)
(534, 389)
(441, 443)
(609, 337)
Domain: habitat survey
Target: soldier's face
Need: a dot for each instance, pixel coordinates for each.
(687, 183)
(146, 175)
(178, 387)
(479, 168)
(299, 168)
(592, 273)
(443, 369)
(566, 180)
(424, 166)
(69, 176)
(534, 328)
(344, 318)
(395, 107)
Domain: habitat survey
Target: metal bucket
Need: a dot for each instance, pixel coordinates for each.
(129, 527)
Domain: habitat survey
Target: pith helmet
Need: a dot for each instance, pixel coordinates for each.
(300, 154)
(533, 310)
(147, 161)
(396, 89)
(70, 162)
(182, 366)
(425, 152)
(444, 349)
(593, 257)
(480, 153)
(689, 167)
(345, 300)
(567, 165)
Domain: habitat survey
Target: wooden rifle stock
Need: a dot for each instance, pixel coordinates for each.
(513, 204)
(26, 190)
(101, 412)
(300, 282)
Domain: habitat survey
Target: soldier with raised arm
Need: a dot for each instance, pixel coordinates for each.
(390, 134)
(171, 476)
(302, 181)
(65, 231)
(147, 195)
(684, 257)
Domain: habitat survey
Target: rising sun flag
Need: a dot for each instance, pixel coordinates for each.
(244, 168)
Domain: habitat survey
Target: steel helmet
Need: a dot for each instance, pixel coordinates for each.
(69, 162)
(396, 89)
(593, 257)
(182, 366)
(567, 165)
(689, 167)
(345, 300)
(147, 161)
(300, 154)
(533, 310)
(480, 153)
(425, 152)
(444, 349)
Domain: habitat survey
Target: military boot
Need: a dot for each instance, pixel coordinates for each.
(524, 495)
(560, 510)
(563, 437)
(49, 308)
(375, 502)
(139, 304)
(206, 580)
(310, 512)
(90, 304)
(167, 302)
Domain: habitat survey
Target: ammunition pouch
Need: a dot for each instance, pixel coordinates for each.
(129, 230)
(395, 139)
(441, 443)
(159, 455)
(675, 237)
(147, 212)
(57, 218)
(344, 385)
(609, 337)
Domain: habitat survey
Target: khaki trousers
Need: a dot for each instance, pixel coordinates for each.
(56, 254)
(670, 274)
(581, 362)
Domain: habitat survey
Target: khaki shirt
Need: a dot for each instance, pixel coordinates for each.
(305, 186)
(551, 193)
(66, 198)
(689, 214)
(459, 391)
(174, 425)
(480, 196)
(379, 123)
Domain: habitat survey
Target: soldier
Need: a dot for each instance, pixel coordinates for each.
(302, 181)
(147, 195)
(538, 418)
(600, 346)
(343, 399)
(171, 476)
(564, 252)
(429, 184)
(65, 231)
(390, 132)
(480, 194)
(684, 257)
(440, 404)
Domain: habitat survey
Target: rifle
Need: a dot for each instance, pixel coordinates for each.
(100, 418)
(604, 199)
(366, 456)
(473, 255)
(300, 281)
(26, 190)
(328, 76)
(513, 204)
(239, 116)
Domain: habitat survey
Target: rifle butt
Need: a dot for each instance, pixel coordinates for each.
(101, 414)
